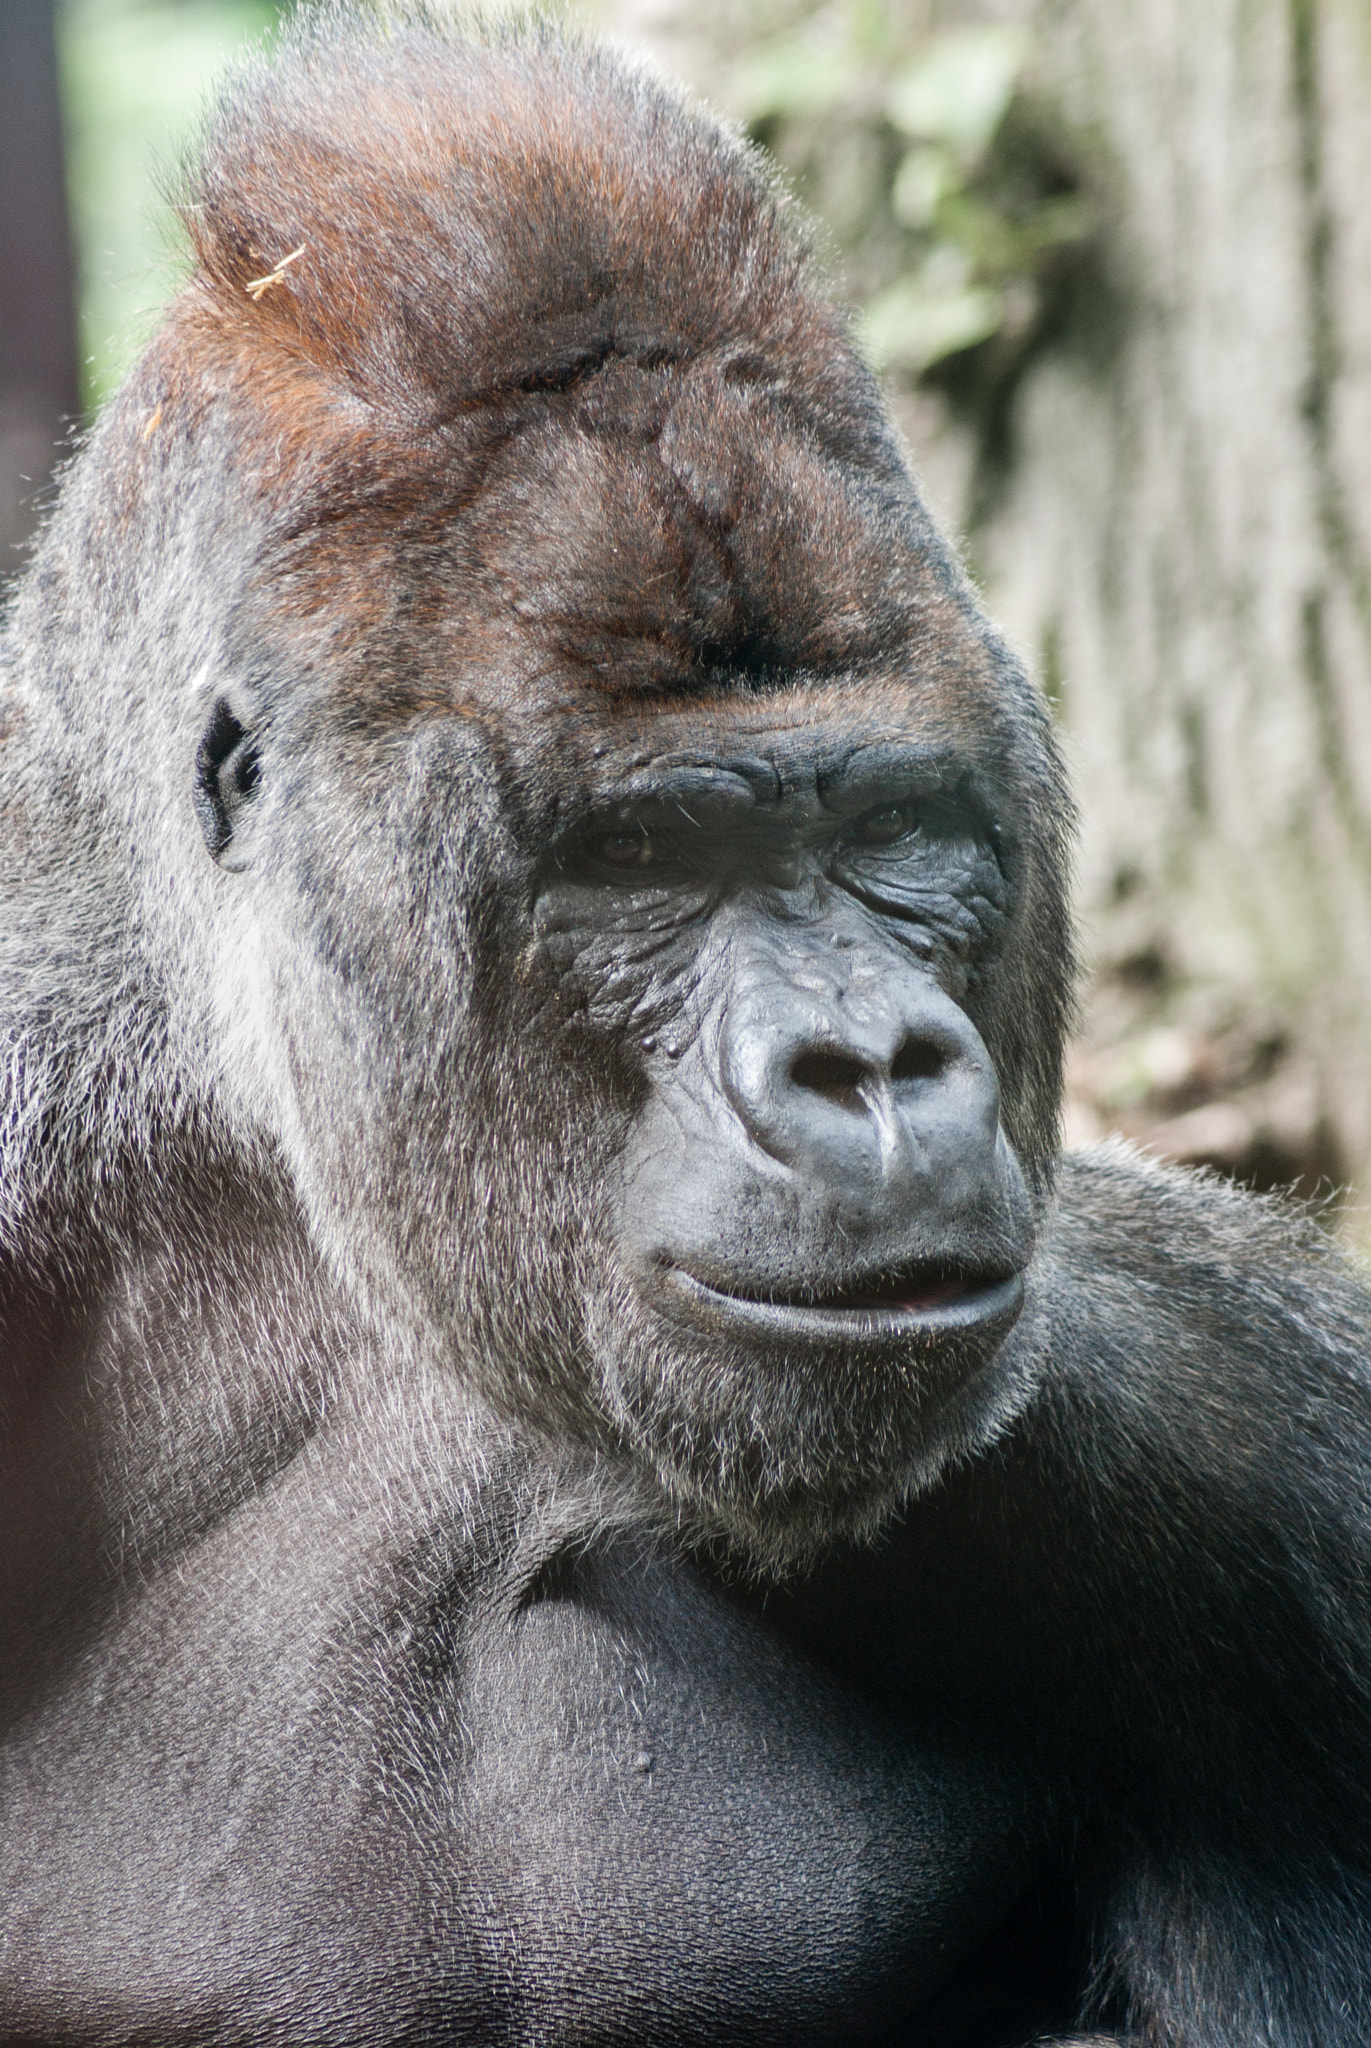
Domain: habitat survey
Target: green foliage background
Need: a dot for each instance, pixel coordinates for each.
(923, 153)
(134, 75)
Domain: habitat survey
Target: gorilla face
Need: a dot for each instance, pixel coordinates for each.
(815, 1228)
(722, 1174)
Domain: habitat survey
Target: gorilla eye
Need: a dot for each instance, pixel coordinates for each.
(884, 827)
(626, 849)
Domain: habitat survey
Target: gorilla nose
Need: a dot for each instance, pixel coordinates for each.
(867, 1092)
(854, 1080)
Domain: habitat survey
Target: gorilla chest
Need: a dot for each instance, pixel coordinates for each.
(672, 1829)
(618, 1811)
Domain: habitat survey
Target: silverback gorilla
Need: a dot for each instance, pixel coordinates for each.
(576, 1469)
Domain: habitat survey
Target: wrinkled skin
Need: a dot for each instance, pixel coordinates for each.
(574, 1468)
(815, 1229)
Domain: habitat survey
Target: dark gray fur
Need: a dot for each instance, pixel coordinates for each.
(417, 1624)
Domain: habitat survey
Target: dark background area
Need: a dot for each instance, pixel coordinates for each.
(39, 385)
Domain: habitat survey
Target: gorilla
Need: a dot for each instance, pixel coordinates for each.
(576, 1467)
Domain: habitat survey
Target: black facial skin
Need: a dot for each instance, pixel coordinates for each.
(815, 1185)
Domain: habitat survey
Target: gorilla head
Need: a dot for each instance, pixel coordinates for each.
(636, 908)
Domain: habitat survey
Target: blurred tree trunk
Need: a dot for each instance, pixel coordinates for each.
(1177, 527)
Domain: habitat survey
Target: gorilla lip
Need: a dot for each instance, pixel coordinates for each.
(928, 1300)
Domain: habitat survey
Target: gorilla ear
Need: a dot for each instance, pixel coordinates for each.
(227, 772)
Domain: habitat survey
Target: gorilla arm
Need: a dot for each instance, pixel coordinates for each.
(1159, 1578)
(1211, 1402)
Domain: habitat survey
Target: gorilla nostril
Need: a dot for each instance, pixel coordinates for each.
(918, 1059)
(835, 1075)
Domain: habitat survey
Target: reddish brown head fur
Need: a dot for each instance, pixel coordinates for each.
(552, 336)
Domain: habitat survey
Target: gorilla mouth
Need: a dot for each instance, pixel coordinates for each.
(923, 1288)
(928, 1297)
